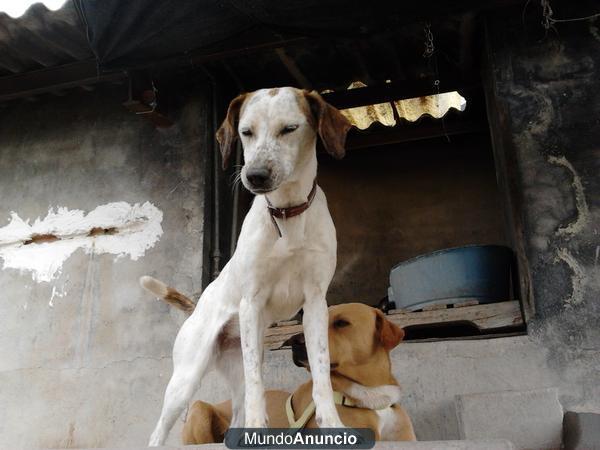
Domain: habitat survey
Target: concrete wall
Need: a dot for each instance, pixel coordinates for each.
(87, 366)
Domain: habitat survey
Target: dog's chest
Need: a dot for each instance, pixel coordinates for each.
(387, 421)
(284, 277)
(279, 271)
(279, 277)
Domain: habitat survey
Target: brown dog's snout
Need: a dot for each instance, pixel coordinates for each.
(296, 340)
(259, 177)
(298, 344)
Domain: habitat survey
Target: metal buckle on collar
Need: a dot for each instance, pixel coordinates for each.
(275, 224)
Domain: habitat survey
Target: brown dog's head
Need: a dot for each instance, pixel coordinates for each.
(278, 129)
(358, 336)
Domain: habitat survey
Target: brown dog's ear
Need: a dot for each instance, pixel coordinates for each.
(227, 134)
(331, 124)
(389, 333)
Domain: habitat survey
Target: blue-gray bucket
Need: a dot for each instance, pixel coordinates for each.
(475, 272)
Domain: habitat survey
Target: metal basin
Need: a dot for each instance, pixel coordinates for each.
(479, 272)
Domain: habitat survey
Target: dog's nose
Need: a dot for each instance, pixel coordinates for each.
(258, 177)
(296, 340)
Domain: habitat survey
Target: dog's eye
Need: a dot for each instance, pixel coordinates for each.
(288, 129)
(340, 323)
(246, 132)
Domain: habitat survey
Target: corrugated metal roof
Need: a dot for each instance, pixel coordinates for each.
(246, 45)
(16, 8)
(435, 106)
(41, 38)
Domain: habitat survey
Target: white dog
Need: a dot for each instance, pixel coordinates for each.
(284, 260)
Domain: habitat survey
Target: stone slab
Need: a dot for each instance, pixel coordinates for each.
(581, 431)
(530, 419)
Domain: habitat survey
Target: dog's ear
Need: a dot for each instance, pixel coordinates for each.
(389, 333)
(332, 126)
(227, 134)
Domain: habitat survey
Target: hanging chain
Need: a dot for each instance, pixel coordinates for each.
(548, 19)
(429, 54)
(547, 14)
(429, 47)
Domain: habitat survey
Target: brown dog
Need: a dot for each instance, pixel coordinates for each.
(360, 339)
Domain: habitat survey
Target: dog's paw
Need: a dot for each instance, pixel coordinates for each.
(155, 441)
(256, 422)
(329, 422)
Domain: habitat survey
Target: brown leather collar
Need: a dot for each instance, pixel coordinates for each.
(286, 213)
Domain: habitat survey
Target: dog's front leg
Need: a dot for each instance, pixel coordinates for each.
(315, 321)
(230, 368)
(252, 335)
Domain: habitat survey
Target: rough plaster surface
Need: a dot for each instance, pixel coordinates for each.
(529, 419)
(581, 431)
(84, 357)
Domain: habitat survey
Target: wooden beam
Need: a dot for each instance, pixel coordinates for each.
(293, 69)
(54, 79)
(245, 48)
(370, 95)
(476, 337)
(427, 128)
(486, 317)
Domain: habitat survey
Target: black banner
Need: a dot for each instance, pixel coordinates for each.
(286, 438)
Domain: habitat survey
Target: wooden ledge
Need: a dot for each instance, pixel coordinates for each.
(486, 317)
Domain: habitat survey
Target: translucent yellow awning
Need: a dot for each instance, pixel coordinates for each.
(410, 109)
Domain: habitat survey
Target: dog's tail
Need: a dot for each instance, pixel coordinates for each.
(167, 294)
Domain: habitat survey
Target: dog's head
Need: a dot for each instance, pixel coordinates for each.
(358, 335)
(278, 129)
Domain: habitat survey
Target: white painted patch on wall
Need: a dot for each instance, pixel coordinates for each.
(583, 212)
(56, 293)
(42, 248)
(578, 277)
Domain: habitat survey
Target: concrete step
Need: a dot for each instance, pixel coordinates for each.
(529, 419)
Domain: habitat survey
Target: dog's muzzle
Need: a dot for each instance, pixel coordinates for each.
(299, 355)
(259, 179)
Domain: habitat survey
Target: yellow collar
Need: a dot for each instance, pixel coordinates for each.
(338, 398)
